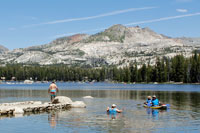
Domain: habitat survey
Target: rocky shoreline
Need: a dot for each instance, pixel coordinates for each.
(59, 103)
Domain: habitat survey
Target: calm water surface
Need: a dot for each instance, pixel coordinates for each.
(183, 115)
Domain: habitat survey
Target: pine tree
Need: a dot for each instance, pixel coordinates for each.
(143, 73)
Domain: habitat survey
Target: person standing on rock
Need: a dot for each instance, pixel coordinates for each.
(53, 89)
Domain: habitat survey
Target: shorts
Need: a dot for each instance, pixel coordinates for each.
(53, 95)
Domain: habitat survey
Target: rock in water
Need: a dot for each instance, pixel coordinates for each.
(78, 104)
(88, 97)
(18, 110)
(37, 102)
(62, 100)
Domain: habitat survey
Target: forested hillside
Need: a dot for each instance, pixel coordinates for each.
(177, 69)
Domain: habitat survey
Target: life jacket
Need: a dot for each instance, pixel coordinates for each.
(155, 102)
(112, 111)
(148, 101)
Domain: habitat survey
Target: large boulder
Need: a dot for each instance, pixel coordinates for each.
(37, 102)
(89, 97)
(62, 100)
(78, 104)
(18, 110)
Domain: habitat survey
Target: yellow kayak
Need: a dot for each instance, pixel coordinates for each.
(156, 107)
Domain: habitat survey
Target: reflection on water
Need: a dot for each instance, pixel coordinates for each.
(154, 113)
(183, 116)
(52, 118)
(177, 100)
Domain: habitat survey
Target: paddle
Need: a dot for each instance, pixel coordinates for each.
(168, 105)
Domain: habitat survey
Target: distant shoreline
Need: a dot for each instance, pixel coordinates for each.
(109, 82)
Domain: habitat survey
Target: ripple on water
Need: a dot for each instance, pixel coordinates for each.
(183, 116)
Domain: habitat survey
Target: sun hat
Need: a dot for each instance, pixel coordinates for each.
(113, 105)
(149, 97)
(154, 96)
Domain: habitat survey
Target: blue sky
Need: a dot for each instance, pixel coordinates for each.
(26, 23)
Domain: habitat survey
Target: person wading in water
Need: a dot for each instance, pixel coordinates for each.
(113, 109)
(53, 89)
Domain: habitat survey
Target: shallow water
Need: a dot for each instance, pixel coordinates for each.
(183, 115)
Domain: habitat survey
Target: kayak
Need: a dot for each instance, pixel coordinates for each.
(163, 106)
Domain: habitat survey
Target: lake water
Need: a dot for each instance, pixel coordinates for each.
(183, 115)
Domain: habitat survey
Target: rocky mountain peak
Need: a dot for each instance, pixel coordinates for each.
(116, 28)
(115, 33)
(77, 38)
(117, 45)
(70, 39)
(3, 49)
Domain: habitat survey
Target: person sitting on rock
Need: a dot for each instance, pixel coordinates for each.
(53, 89)
(113, 110)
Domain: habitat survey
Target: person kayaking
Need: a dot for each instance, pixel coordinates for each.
(155, 101)
(53, 89)
(113, 110)
(148, 101)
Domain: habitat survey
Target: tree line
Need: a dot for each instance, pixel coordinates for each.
(177, 69)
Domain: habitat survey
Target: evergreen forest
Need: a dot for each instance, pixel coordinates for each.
(176, 69)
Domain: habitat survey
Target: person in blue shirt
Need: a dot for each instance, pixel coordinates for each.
(155, 101)
(148, 101)
(113, 110)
